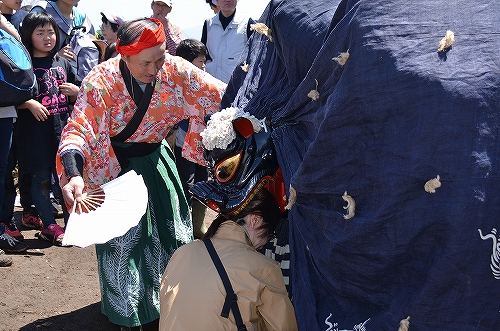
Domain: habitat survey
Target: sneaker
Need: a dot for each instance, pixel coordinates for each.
(5, 261)
(30, 221)
(10, 244)
(53, 234)
(12, 230)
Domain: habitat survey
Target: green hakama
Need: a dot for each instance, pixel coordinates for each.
(131, 266)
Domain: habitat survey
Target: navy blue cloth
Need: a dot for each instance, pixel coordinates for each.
(396, 115)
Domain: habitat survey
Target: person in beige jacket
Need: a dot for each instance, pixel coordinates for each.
(192, 293)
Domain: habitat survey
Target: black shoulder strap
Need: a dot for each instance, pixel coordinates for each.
(231, 301)
(135, 121)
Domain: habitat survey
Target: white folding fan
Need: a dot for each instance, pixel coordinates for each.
(107, 212)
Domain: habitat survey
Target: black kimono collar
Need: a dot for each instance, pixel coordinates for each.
(133, 87)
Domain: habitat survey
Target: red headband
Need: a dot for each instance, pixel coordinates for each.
(149, 38)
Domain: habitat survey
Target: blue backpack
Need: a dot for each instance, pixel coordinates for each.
(17, 80)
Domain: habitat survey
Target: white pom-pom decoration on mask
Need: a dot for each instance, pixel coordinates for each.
(219, 132)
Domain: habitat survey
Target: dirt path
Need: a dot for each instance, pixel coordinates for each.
(51, 288)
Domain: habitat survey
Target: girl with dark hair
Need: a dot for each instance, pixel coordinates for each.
(191, 282)
(45, 24)
(41, 119)
(125, 109)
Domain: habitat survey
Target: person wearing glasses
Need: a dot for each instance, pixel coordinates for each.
(109, 27)
(173, 32)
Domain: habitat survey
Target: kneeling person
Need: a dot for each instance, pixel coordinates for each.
(191, 281)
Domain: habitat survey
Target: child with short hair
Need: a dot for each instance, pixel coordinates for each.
(194, 51)
(41, 119)
(189, 172)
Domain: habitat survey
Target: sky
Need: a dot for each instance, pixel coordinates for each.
(188, 14)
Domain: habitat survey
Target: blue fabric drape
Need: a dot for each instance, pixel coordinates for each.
(396, 115)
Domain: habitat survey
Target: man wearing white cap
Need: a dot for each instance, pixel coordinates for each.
(109, 27)
(225, 36)
(173, 32)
